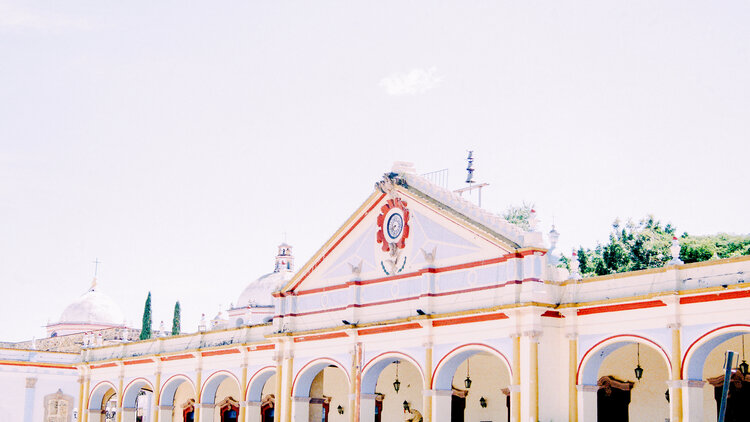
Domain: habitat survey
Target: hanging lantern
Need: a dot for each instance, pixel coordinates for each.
(467, 381)
(340, 409)
(397, 383)
(744, 367)
(483, 402)
(638, 370)
(406, 406)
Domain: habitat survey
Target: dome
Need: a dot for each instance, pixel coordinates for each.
(93, 307)
(258, 293)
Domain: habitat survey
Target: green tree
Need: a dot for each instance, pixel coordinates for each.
(146, 327)
(176, 319)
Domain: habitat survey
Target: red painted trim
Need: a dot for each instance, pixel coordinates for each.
(176, 357)
(37, 365)
(165, 383)
(104, 365)
(261, 347)
(88, 401)
(387, 302)
(470, 345)
(137, 362)
(312, 362)
(645, 340)
(342, 237)
(319, 337)
(684, 356)
(468, 319)
(388, 329)
(621, 307)
(552, 314)
(715, 296)
(220, 352)
(397, 354)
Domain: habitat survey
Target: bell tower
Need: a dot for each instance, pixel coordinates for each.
(284, 259)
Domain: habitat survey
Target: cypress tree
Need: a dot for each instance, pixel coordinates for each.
(146, 327)
(176, 319)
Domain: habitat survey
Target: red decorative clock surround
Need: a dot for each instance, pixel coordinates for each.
(397, 205)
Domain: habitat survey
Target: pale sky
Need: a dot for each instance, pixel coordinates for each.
(178, 141)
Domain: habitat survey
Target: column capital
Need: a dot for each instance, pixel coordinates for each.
(207, 405)
(375, 396)
(674, 325)
(250, 403)
(31, 382)
(571, 336)
(586, 388)
(166, 407)
(533, 335)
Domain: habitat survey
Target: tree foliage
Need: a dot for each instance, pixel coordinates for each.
(176, 319)
(645, 244)
(146, 326)
(519, 215)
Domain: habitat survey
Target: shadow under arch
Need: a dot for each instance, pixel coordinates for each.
(257, 382)
(97, 394)
(372, 369)
(304, 378)
(695, 356)
(169, 389)
(211, 385)
(588, 367)
(442, 378)
(131, 391)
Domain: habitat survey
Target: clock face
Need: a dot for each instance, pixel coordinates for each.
(395, 225)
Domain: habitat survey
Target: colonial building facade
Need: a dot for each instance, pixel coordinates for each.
(422, 305)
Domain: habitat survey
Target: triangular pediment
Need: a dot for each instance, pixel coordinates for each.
(434, 235)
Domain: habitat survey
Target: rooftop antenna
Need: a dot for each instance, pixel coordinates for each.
(470, 180)
(96, 263)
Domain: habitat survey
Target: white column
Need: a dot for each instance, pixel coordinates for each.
(165, 413)
(367, 407)
(587, 402)
(441, 405)
(300, 409)
(252, 411)
(128, 414)
(692, 401)
(28, 411)
(206, 412)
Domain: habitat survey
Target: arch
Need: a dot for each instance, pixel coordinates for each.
(696, 354)
(97, 394)
(257, 382)
(372, 369)
(442, 378)
(170, 386)
(304, 378)
(212, 384)
(131, 392)
(588, 367)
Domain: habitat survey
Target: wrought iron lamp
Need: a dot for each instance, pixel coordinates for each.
(340, 409)
(467, 381)
(744, 366)
(638, 370)
(397, 383)
(406, 406)
(483, 402)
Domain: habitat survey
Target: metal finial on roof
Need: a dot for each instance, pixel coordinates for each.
(470, 168)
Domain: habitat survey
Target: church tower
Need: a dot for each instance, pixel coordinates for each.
(284, 259)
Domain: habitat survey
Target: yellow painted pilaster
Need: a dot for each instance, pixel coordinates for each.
(353, 385)
(199, 393)
(277, 398)
(515, 393)
(427, 398)
(119, 398)
(243, 391)
(288, 372)
(534, 377)
(675, 401)
(84, 407)
(81, 382)
(572, 368)
(157, 393)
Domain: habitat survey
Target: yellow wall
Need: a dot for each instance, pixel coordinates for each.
(227, 388)
(182, 395)
(330, 382)
(410, 390)
(488, 376)
(647, 400)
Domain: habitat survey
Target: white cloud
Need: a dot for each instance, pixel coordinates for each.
(17, 18)
(416, 81)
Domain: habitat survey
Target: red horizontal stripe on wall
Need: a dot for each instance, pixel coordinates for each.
(319, 337)
(621, 307)
(552, 314)
(388, 329)
(468, 319)
(261, 347)
(104, 365)
(220, 352)
(715, 296)
(137, 362)
(175, 357)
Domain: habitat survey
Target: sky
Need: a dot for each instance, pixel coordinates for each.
(180, 142)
